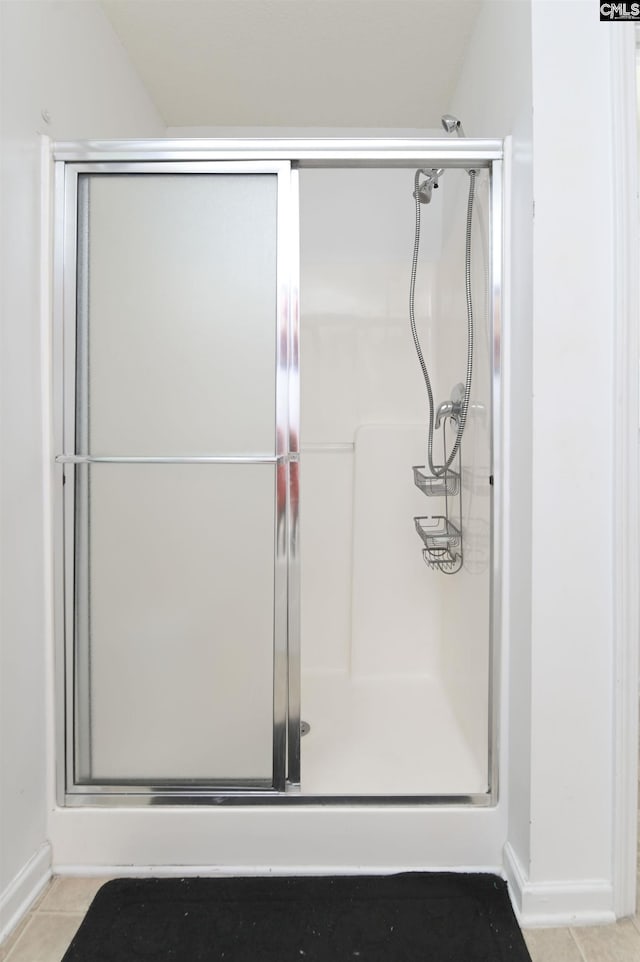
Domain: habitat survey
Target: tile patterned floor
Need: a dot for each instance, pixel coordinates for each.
(46, 931)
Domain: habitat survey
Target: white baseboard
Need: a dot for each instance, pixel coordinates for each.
(24, 890)
(568, 902)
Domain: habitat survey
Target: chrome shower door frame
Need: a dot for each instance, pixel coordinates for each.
(71, 590)
(293, 154)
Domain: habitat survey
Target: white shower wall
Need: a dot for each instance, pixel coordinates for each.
(357, 361)
(394, 656)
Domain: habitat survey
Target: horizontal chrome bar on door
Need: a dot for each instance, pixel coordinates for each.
(116, 459)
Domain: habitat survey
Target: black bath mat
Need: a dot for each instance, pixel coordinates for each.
(413, 917)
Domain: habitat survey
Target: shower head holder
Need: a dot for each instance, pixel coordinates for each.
(423, 191)
(452, 125)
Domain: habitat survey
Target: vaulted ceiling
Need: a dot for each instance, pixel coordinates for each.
(297, 63)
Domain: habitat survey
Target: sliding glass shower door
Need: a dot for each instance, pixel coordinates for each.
(177, 463)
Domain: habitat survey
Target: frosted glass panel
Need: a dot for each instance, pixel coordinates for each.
(177, 314)
(175, 628)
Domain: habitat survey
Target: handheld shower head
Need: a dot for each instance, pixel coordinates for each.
(452, 125)
(424, 190)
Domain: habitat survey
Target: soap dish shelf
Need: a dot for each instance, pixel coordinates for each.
(436, 486)
(442, 540)
(447, 562)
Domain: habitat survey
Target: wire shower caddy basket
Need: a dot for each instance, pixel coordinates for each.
(441, 534)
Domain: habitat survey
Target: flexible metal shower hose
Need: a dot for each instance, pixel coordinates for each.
(439, 470)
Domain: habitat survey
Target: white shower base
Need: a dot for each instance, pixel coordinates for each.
(385, 736)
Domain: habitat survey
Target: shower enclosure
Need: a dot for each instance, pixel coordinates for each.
(238, 413)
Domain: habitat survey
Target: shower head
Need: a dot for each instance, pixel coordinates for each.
(452, 125)
(424, 190)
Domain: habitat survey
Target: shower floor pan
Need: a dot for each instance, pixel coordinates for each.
(388, 736)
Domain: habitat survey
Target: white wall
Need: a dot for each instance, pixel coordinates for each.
(304, 63)
(494, 98)
(558, 394)
(573, 331)
(62, 58)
